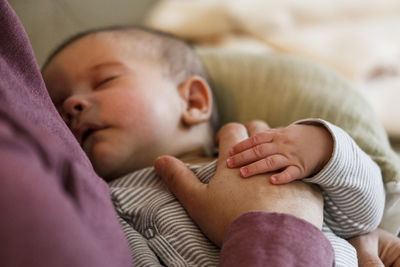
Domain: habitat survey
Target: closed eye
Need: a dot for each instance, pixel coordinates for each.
(105, 81)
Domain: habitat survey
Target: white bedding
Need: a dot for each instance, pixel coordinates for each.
(359, 38)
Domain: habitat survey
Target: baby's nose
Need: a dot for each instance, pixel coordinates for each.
(74, 105)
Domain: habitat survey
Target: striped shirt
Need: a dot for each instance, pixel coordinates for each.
(161, 233)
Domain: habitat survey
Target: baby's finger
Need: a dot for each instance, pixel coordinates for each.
(269, 164)
(291, 173)
(257, 139)
(256, 126)
(251, 155)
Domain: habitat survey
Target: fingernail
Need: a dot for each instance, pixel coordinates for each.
(231, 152)
(244, 171)
(273, 180)
(229, 162)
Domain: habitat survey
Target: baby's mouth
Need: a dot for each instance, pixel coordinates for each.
(85, 131)
(86, 135)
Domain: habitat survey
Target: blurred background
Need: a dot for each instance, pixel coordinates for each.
(358, 38)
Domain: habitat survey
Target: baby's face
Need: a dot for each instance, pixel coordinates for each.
(122, 109)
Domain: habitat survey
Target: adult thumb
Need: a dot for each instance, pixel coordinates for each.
(367, 250)
(370, 260)
(181, 181)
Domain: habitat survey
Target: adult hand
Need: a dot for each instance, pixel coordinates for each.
(215, 205)
(378, 248)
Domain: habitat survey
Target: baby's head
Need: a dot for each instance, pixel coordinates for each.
(130, 95)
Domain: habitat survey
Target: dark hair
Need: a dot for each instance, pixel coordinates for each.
(176, 55)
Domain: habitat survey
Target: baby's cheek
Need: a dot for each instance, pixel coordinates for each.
(155, 123)
(149, 117)
(145, 122)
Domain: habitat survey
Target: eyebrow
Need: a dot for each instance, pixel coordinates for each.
(107, 64)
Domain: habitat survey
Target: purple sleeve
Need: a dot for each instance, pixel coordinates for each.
(48, 216)
(273, 239)
(54, 209)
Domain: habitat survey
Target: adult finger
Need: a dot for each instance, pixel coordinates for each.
(367, 250)
(181, 181)
(229, 135)
(390, 253)
(256, 126)
(389, 248)
(370, 260)
(397, 263)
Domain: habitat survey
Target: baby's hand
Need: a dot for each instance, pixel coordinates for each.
(294, 152)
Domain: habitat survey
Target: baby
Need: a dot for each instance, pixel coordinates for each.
(130, 95)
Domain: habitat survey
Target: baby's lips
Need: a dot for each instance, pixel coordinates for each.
(81, 132)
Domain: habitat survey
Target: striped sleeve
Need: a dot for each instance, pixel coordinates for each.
(141, 253)
(345, 253)
(351, 184)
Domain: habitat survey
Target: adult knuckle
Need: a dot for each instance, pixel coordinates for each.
(261, 122)
(251, 123)
(258, 123)
(281, 133)
(396, 247)
(232, 129)
(281, 137)
(372, 262)
(233, 125)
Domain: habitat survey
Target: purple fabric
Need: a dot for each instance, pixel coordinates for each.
(21, 80)
(55, 211)
(273, 239)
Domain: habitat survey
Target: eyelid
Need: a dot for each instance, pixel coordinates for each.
(106, 80)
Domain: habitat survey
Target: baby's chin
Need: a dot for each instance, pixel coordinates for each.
(103, 163)
(103, 168)
(106, 173)
(112, 169)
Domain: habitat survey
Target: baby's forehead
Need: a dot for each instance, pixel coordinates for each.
(123, 43)
(135, 42)
(119, 41)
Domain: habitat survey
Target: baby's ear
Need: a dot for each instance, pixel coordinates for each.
(197, 96)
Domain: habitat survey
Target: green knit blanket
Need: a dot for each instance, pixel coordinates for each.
(280, 90)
